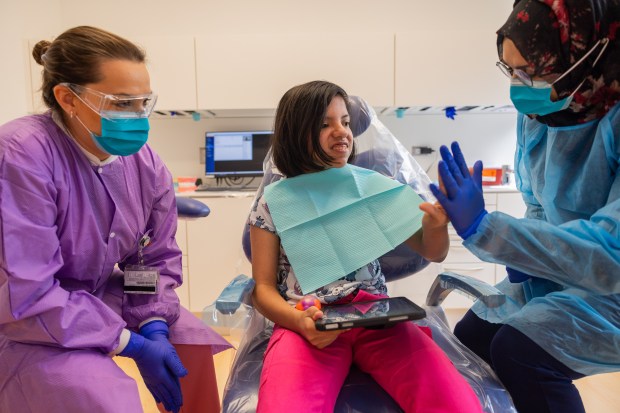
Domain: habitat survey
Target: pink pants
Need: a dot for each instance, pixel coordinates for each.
(404, 361)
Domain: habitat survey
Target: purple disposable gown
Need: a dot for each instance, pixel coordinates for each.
(64, 225)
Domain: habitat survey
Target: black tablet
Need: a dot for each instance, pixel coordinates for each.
(383, 312)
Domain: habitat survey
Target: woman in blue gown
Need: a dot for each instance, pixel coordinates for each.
(561, 319)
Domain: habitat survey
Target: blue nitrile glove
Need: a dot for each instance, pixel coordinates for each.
(464, 202)
(160, 368)
(516, 276)
(156, 330)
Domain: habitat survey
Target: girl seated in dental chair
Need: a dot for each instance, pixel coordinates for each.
(304, 369)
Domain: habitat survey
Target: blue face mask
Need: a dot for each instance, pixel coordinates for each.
(121, 135)
(536, 99)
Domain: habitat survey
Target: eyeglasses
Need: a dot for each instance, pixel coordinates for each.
(527, 80)
(123, 106)
(511, 73)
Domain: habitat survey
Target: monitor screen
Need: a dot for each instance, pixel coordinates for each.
(236, 154)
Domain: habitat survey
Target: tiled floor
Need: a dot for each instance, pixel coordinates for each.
(600, 393)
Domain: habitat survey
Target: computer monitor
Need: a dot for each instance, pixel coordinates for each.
(236, 154)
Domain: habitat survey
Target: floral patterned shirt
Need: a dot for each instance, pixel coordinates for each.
(369, 278)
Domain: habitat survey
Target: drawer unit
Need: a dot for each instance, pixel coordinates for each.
(181, 237)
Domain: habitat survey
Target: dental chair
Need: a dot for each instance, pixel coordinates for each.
(189, 208)
(378, 150)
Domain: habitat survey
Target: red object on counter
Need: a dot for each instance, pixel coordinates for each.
(491, 176)
(186, 183)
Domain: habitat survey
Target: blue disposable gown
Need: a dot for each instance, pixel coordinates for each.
(569, 240)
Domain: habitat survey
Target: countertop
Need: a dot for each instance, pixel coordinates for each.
(250, 193)
(218, 194)
(499, 188)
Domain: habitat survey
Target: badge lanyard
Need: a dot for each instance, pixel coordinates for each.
(141, 279)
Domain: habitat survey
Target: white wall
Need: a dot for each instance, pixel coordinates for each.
(20, 21)
(487, 137)
(178, 141)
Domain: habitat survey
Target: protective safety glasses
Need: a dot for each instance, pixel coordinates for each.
(116, 106)
(510, 72)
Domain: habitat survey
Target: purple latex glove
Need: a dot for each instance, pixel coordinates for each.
(515, 276)
(464, 202)
(160, 368)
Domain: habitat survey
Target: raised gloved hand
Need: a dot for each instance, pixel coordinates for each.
(463, 200)
(516, 276)
(159, 366)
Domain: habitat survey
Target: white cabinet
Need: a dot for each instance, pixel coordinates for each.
(171, 64)
(415, 286)
(252, 71)
(259, 68)
(214, 251)
(448, 67)
(460, 260)
(511, 203)
(172, 69)
(181, 237)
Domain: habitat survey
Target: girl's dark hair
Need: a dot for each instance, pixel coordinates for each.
(297, 127)
(76, 56)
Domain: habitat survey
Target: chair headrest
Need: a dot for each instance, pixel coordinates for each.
(359, 114)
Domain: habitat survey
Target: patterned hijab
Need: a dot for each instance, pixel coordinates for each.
(554, 34)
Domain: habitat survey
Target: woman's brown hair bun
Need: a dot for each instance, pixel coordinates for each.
(39, 50)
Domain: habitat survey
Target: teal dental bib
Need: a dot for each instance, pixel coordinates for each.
(334, 222)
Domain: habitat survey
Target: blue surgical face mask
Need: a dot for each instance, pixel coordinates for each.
(120, 135)
(536, 99)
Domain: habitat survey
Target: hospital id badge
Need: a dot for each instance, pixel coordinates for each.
(140, 279)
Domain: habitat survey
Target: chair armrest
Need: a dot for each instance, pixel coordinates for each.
(473, 288)
(191, 208)
(238, 291)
